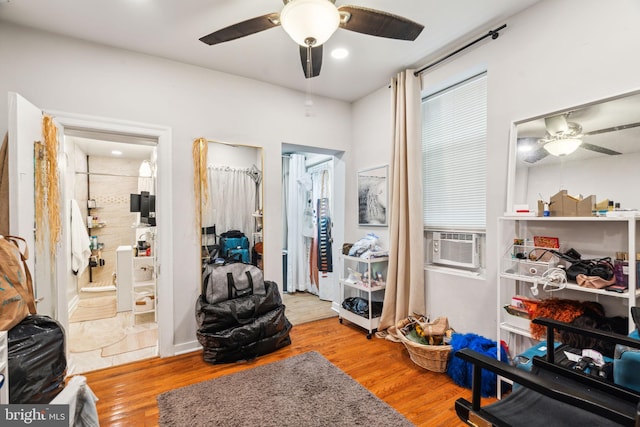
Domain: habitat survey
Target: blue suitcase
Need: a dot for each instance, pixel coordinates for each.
(239, 254)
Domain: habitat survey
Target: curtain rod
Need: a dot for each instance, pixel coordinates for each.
(493, 33)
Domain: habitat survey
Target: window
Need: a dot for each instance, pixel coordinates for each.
(454, 129)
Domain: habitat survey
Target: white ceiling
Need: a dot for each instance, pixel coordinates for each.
(171, 29)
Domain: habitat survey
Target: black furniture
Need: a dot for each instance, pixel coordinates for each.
(551, 395)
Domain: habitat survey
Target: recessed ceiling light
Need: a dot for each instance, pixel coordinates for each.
(116, 152)
(339, 53)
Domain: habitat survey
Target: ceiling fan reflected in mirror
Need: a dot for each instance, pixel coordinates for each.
(563, 137)
(310, 23)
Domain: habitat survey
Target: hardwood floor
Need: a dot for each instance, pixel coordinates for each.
(303, 307)
(127, 394)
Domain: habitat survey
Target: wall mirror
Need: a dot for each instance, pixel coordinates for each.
(231, 198)
(588, 150)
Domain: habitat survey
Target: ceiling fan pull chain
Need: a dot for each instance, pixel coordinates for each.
(309, 62)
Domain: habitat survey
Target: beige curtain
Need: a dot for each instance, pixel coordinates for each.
(405, 278)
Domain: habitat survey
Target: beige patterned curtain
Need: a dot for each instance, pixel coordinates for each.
(405, 278)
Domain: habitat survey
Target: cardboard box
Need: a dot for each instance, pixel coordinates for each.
(586, 206)
(562, 204)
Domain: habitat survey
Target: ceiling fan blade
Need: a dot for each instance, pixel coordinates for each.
(598, 149)
(613, 129)
(535, 155)
(241, 29)
(311, 64)
(378, 23)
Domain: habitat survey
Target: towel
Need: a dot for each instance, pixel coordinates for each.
(80, 243)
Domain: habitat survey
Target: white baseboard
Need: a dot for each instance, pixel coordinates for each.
(187, 347)
(335, 306)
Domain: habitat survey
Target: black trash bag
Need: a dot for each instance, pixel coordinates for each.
(225, 314)
(360, 306)
(36, 359)
(263, 335)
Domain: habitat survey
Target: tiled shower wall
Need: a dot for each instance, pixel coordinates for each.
(110, 183)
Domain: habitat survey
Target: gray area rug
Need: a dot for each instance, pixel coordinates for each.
(303, 390)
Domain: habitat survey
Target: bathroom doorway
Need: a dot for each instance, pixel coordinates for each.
(54, 282)
(112, 308)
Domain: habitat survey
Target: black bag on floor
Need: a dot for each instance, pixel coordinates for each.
(226, 314)
(36, 359)
(242, 328)
(263, 335)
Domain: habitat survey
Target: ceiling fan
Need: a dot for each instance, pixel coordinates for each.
(310, 23)
(562, 137)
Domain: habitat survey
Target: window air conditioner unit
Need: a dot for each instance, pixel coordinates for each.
(456, 249)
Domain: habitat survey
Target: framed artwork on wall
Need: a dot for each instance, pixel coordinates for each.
(373, 196)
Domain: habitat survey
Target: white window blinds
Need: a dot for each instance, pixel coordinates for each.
(454, 129)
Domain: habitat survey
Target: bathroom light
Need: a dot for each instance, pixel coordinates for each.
(562, 146)
(310, 22)
(116, 152)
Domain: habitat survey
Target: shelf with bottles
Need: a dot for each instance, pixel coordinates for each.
(93, 221)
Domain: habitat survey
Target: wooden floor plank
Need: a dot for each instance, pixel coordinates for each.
(127, 393)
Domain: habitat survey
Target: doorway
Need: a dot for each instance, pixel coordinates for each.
(112, 316)
(312, 228)
(25, 127)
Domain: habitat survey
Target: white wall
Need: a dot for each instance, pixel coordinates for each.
(606, 177)
(63, 74)
(555, 55)
(372, 136)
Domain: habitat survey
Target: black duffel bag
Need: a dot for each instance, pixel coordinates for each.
(225, 314)
(263, 335)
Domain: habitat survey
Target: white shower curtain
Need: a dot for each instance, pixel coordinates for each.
(298, 258)
(232, 200)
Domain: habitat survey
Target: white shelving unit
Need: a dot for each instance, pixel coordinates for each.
(370, 283)
(4, 368)
(591, 236)
(144, 287)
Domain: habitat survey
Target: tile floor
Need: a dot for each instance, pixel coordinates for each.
(87, 361)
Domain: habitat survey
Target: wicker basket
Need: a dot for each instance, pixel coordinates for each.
(431, 357)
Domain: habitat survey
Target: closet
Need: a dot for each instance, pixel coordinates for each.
(309, 229)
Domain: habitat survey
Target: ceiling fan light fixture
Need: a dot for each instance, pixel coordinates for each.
(563, 146)
(310, 22)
